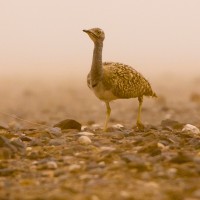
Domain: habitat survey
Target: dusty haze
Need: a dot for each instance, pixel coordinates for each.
(44, 60)
(45, 38)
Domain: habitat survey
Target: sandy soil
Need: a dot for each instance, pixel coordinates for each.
(159, 163)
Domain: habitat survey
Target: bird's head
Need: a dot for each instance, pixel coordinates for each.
(96, 34)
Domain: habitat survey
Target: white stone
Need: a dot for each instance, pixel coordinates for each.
(190, 128)
(83, 128)
(74, 167)
(105, 148)
(35, 162)
(95, 126)
(116, 162)
(118, 126)
(84, 140)
(86, 133)
(52, 165)
(102, 164)
(29, 148)
(162, 146)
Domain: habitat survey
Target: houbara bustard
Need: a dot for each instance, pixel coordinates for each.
(113, 80)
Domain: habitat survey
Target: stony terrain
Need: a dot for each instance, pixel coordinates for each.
(39, 161)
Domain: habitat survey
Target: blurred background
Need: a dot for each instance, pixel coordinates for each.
(44, 53)
(45, 38)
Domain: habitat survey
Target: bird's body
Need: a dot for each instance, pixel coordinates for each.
(120, 81)
(112, 80)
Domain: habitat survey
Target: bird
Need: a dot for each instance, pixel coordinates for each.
(114, 80)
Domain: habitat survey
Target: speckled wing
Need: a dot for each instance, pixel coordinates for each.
(124, 81)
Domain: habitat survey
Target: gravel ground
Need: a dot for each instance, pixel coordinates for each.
(41, 162)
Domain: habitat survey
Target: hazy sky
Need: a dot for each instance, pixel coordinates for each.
(153, 36)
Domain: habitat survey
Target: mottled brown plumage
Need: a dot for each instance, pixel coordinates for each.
(113, 80)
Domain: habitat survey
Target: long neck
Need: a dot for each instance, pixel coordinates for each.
(96, 69)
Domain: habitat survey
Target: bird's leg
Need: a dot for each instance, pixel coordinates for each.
(108, 111)
(139, 123)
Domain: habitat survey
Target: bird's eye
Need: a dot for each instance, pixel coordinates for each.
(99, 32)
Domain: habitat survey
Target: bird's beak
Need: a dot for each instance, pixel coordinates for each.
(90, 33)
(86, 31)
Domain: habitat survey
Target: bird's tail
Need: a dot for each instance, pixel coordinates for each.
(154, 95)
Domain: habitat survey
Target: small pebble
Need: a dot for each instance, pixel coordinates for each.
(68, 124)
(118, 126)
(55, 131)
(52, 165)
(86, 133)
(26, 138)
(29, 148)
(191, 129)
(102, 164)
(104, 148)
(33, 154)
(84, 140)
(162, 146)
(74, 167)
(95, 127)
(83, 128)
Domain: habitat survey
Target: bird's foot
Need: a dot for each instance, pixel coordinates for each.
(139, 126)
(105, 129)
